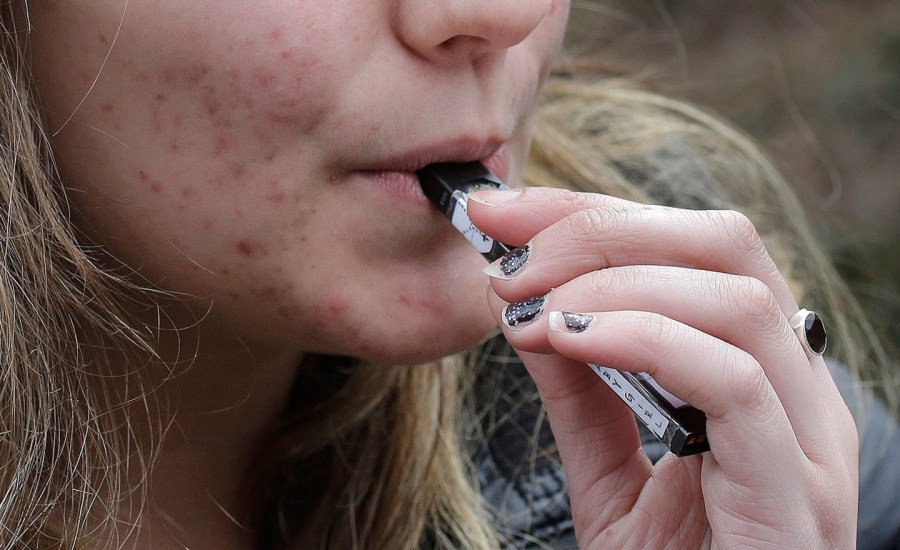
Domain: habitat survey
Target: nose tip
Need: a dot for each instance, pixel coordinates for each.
(441, 29)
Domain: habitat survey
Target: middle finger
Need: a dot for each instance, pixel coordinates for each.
(738, 310)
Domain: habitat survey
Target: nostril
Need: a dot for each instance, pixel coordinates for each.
(461, 42)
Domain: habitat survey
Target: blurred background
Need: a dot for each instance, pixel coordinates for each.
(816, 82)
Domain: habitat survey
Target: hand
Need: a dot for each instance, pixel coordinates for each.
(693, 298)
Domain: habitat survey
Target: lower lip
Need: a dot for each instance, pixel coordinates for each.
(403, 187)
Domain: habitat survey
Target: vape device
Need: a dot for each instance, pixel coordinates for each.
(681, 427)
(447, 186)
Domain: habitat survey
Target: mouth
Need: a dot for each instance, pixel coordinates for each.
(397, 174)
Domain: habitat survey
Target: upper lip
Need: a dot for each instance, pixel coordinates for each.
(464, 149)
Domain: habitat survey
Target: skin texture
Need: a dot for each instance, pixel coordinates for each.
(255, 158)
(219, 151)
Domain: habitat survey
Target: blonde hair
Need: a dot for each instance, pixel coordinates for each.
(62, 318)
(390, 437)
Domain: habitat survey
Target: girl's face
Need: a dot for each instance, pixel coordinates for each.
(259, 155)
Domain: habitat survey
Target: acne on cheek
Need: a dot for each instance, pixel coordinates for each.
(247, 249)
(152, 183)
(275, 81)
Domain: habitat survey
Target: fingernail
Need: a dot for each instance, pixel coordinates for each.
(495, 197)
(508, 265)
(565, 321)
(522, 313)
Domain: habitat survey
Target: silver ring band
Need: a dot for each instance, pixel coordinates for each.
(810, 330)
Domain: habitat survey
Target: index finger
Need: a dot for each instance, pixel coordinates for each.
(536, 208)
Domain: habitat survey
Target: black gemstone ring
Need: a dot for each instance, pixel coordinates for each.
(810, 330)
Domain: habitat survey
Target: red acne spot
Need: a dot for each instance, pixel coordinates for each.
(286, 55)
(187, 192)
(276, 196)
(337, 306)
(276, 35)
(107, 107)
(366, 349)
(197, 74)
(174, 147)
(143, 176)
(156, 186)
(210, 103)
(264, 80)
(160, 97)
(225, 271)
(246, 249)
(101, 38)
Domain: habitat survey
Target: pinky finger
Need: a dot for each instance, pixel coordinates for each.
(745, 419)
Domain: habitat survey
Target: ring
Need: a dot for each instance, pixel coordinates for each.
(810, 331)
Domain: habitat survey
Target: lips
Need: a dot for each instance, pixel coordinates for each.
(397, 176)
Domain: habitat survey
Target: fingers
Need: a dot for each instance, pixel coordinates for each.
(513, 217)
(745, 419)
(738, 311)
(691, 298)
(608, 233)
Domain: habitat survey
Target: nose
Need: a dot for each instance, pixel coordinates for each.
(446, 30)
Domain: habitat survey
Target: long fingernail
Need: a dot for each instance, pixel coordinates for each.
(566, 321)
(495, 197)
(522, 313)
(508, 265)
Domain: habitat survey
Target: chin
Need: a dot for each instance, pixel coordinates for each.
(422, 344)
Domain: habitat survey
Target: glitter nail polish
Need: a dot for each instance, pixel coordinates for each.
(514, 260)
(509, 264)
(522, 313)
(577, 322)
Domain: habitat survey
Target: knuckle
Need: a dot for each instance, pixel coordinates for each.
(608, 282)
(599, 284)
(577, 202)
(590, 227)
(657, 333)
(741, 232)
(750, 386)
(757, 302)
(585, 224)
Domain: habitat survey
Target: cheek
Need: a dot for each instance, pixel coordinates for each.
(202, 148)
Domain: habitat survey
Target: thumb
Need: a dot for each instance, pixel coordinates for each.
(596, 434)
